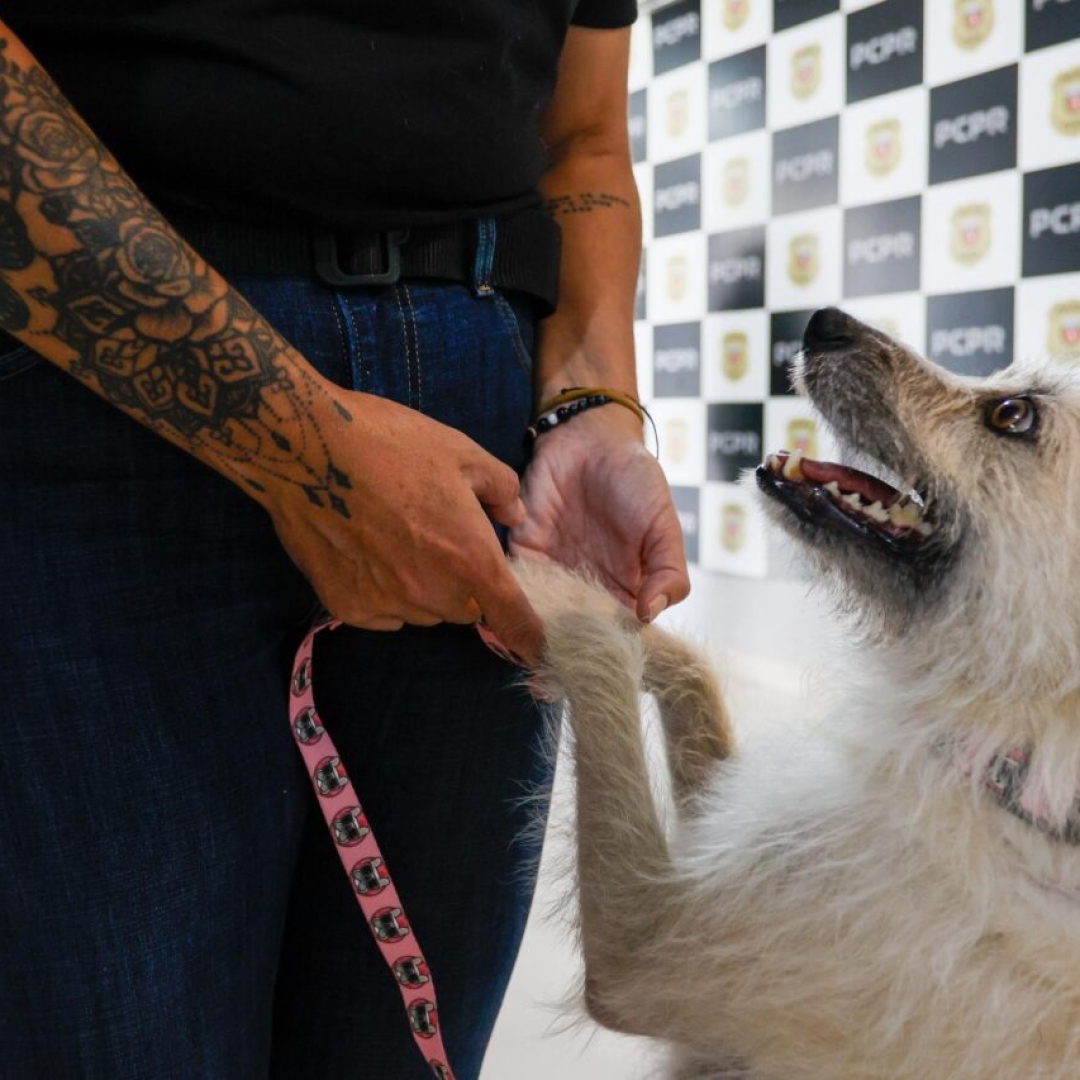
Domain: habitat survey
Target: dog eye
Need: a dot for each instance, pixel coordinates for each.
(1013, 416)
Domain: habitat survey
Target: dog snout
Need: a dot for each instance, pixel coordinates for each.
(830, 330)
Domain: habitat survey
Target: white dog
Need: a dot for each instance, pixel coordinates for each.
(894, 893)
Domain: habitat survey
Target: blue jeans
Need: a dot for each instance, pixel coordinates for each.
(170, 901)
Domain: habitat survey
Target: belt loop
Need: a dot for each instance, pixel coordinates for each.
(485, 257)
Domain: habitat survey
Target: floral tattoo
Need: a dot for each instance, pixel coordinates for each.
(86, 260)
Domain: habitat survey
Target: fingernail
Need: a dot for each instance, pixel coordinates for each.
(657, 606)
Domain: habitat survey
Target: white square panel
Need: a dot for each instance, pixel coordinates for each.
(971, 234)
(680, 434)
(1048, 318)
(732, 530)
(900, 315)
(792, 423)
(676, 278)
(806, 72)
(735, 356)
(804, 259)
(735, 182)
(733, 26)
(883, 147)
(964, 37)
(640, 54)
(1050, 106)
(677, 115)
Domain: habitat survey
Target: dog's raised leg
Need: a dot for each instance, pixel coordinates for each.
(697, 731)
(632, 910)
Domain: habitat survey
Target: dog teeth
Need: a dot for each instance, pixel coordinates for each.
(793, 466)
(906, 515)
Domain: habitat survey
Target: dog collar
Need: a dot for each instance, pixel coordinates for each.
(1006, 778)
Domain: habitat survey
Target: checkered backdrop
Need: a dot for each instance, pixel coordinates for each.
(917, 163)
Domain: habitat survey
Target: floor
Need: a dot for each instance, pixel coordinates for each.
(542, 1033)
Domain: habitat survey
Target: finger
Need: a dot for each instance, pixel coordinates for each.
(375, 622)
(513, 514)
(467, 614)
(666, 580)
(497, 486)
(510, 616)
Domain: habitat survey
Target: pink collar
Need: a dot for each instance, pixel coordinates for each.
(1006, 778)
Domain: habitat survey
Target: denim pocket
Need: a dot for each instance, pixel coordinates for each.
(520, 326)
(15, 358)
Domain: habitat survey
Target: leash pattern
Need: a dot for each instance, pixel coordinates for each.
(363, 862)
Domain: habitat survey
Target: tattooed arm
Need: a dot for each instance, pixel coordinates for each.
(382, 508)
(596, 497)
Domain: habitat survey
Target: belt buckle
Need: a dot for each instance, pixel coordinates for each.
(328, 260)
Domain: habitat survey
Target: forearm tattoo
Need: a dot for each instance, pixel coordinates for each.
(583, 203)
(86, 260)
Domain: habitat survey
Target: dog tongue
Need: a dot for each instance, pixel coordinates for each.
(851, 481)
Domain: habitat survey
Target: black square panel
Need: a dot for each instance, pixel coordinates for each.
(677, 360)
(793, 12)
(971, 333)
(737, 269)
(884, 48)
(737, 94)
(734, 440)
(805, 171)
(687, 502)
(1049, 22)
(638, 125)
(1052, 221)
(677, 196)
(973, 126)
(676, 35)
(882, 245)
(785, 340)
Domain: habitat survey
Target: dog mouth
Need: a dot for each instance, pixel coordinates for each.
(849, 502)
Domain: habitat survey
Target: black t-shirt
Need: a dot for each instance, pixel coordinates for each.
(349, 113)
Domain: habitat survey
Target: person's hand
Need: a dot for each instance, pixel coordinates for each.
(417, 546)
(598, 500)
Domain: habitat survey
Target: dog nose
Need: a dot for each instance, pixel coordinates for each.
(829, 329)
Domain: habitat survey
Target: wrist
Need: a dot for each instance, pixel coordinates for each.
(298, 463)
(564, 360)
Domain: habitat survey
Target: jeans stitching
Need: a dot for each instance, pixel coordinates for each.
(524, 357)
(405, 343)
(410, 338)
(346, 350)
(416, 341)
(352, 353)
(364, 382)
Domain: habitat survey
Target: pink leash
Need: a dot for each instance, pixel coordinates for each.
(369, 879)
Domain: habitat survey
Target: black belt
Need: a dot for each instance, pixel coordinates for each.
(526, 255)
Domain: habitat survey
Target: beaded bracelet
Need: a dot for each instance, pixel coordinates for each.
(567, 404)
